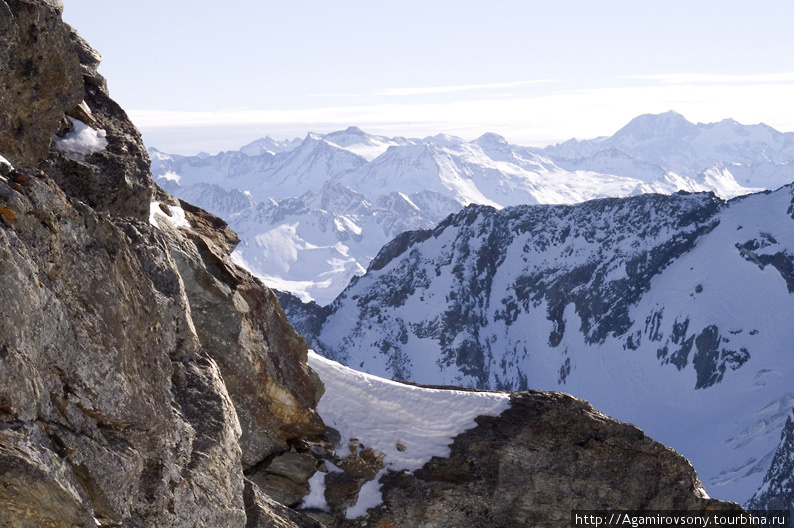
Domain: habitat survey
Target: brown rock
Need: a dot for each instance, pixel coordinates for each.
(107, 371)
(114, 408)
(40, 78)
(547, 455)
(264, 512)
(115, 180)
(239, 322)
(285, 478)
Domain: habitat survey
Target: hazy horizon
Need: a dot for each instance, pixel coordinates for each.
(194, 76)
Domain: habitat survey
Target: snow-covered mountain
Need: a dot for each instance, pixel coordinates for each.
(670, 141)
(268, 145)
(321, 208)
(672, 312)
(367, 146)
(315, 243)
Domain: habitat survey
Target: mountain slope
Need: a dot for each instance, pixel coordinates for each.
(668, 311)
(145, 380)
(777, 491)
(314, 244)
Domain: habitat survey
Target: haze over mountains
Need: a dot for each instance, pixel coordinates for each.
(312, 214)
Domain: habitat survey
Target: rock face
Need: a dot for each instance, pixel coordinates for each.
(142, 373)
(39, 78)
(548, 454)
(145, 380)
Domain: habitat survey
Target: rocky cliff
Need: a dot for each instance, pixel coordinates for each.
(145, 380)
(142, 373)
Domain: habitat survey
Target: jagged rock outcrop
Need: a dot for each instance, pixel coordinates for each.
(142, 373)
(547, 455)
(39, 77)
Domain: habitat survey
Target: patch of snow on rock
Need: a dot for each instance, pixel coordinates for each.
(81, 140)
(175, 215)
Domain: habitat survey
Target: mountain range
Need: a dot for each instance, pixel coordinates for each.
(680, 300)
(672, 312)
(312, 214)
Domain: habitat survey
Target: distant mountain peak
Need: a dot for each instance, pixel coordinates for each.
(443, 140)
(489, 138)
(355, 130)
(669, 124)
(269, 145)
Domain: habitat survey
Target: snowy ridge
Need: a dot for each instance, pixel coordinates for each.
(365, 145)
(670, 312)
(405, 183)
(381, 413)
(267, 145)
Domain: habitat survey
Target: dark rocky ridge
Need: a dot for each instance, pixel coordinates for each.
(144, 377)
(474, 246)
(777, 492)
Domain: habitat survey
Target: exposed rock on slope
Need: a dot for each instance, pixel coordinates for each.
(142, 372)
(529, 465)
(545, 456)
(777, 492)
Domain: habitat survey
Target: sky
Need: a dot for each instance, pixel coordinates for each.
(199, 75)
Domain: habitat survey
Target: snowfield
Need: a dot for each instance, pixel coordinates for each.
(409, 425)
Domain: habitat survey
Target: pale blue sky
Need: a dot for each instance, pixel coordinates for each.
(199, 75)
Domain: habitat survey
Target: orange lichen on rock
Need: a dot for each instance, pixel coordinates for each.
(7, 214)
